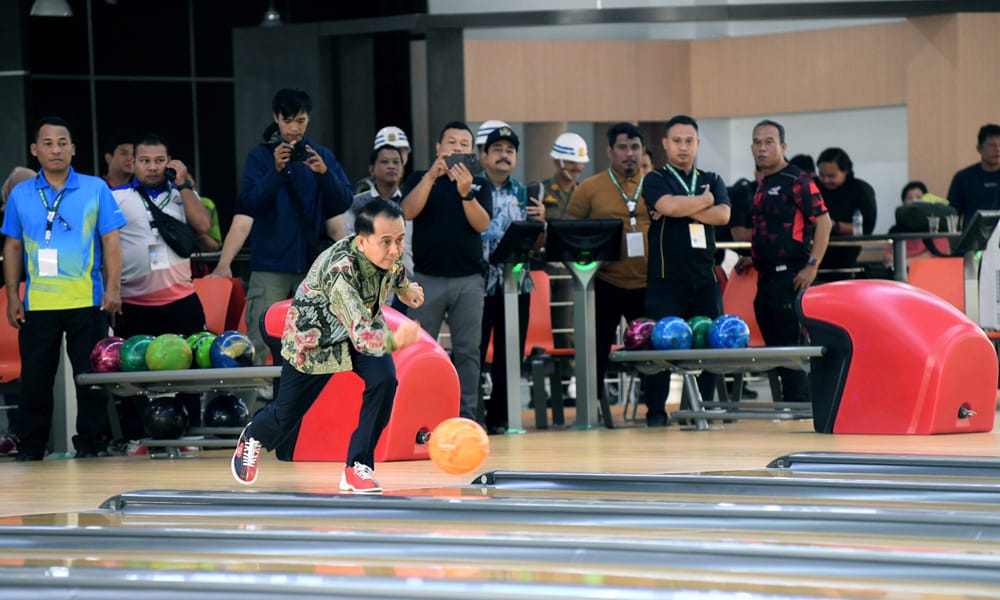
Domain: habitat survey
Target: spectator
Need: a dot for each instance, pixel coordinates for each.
(118, 155)
(64, 241)
(569, 154)
(646, 164)
(449, 212)
(804, 162)
(977, 187)
(387, 136)
(844, 194)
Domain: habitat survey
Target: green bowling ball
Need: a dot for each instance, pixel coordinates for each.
(202, 351)
(700, 326)
(193, 338)
(168, 352)
(133, 353)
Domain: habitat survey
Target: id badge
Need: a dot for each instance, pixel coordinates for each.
(158, 258)
(48, 262)
(633, 244)
(698, 239)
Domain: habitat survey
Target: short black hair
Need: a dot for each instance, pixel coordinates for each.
(150, 139)
(455, 125)
(776, 125)
(987, 131)
(364, 219)
(51, 120)
(117, 139)
(680, 120)
(913, 185)
(619, 128)
(288, 103)
(375, 152)
(839, 157)
(804, 162)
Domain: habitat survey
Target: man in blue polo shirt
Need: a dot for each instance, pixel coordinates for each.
(62, 228)
(686, 204)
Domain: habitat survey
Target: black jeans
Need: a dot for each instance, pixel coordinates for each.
(494, 322)
(40, 341)
(774, 307)
(280, 419)
(611, 303)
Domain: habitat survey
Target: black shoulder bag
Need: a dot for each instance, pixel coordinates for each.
(176, 234)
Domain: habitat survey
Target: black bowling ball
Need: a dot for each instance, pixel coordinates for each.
(226, 410)
(165, 418)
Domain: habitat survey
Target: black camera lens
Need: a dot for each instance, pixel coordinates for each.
(299, 153)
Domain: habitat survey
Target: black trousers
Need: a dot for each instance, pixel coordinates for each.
(679, 299)
(611, 303)
(39, 341)
(183, 317)
(280, 419)
(494, 322)
(774, 307)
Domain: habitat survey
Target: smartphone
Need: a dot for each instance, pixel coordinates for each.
(170, 174)
(471, 161)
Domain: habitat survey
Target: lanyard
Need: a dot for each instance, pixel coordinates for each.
(694, 178)
(629, 203)
(52, 213)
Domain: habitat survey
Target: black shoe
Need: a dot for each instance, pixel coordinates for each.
(88, 454)
(496, 430)
(24, 456)
(657, 420)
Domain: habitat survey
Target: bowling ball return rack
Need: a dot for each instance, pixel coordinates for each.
(154, 384)
(724, 361)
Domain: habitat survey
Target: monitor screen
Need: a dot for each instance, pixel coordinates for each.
(517, 242)
(583, 240)
(977, 231)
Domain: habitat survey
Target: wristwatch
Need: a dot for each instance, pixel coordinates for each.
(185, 186)
(812, 261)
(470, 196)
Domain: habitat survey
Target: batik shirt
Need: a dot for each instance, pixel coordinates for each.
(339, 303)
(510, 203)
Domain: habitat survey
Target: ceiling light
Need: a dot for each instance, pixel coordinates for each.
(271, 17)
(51, 8)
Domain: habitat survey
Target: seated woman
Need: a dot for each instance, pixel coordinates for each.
(844, 194)
(916, 191)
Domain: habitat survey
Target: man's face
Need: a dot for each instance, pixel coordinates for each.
(830, 175)
(989, 150)
(385, 245)
(388, 167)
(625, 154)
(681, 144)
(150, 164)
(120, 162)
(454, 141)
(912, 195)
(573, 169)
(54, 149)
(500, 158)
(645, 163)
(292, 129)
(767, 148)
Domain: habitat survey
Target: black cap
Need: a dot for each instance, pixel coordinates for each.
(501, 133)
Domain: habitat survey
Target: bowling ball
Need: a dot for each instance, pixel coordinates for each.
(729, 331)
(203, 351)
(133, 353)
(637, 336)
(168, 352)
(165, 418)
(700, 327)
(226, 410)
(231, 349)
(192, 340)
(671, 333)
(458, 446)
(105, 358)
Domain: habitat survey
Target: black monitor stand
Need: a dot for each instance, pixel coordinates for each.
(513, 250)
(582, 245)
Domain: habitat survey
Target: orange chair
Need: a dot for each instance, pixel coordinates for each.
(214, 294)
(10, 355)
(943, 277)
(737, 299)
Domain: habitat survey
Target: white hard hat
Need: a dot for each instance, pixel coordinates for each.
(392, 136)
(486, 129)
(571, 147)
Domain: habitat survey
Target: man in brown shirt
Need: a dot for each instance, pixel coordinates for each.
(620, 286)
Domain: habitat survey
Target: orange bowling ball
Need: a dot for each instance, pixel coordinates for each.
(458, 446)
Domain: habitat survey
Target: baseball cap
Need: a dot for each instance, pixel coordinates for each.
(502, 133)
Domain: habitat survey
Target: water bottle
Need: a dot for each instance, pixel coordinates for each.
(857, 222)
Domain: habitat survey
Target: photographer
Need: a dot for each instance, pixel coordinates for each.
(292, 190)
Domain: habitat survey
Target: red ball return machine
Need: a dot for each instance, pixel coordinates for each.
(428, 393)
(897, 360)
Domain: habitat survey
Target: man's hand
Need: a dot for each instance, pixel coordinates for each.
(282, 153)
(181, 171)
(315, 161)
(111, 303)
(413, 295)
(536, 210)
(805, 277)
(438, 168)
(407, 333)
(221, 271)
(15, 311)
(706, 192)
(462, 178)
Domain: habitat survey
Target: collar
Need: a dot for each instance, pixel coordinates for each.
(374, 192)
(634, 180)
(151, 192)
(72, 180)
(686, 173)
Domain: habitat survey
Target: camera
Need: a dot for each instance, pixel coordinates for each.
(299, 153)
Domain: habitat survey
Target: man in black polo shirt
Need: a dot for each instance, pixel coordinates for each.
(449, 212)
(791, 230)
(686, 205)
(977, 187)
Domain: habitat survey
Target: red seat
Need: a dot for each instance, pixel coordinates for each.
(214, 294)
(539, 333)
(737, 299)
(10, 354)
(944, 277)
(428, 393)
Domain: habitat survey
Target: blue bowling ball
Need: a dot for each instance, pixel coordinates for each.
(671, 333)
(729, 331)
(231, 349)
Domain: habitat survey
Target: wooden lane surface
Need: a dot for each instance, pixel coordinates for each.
(54, 486)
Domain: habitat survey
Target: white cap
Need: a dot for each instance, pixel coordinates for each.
(392, 136)
(486, 129)
(571, 147)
